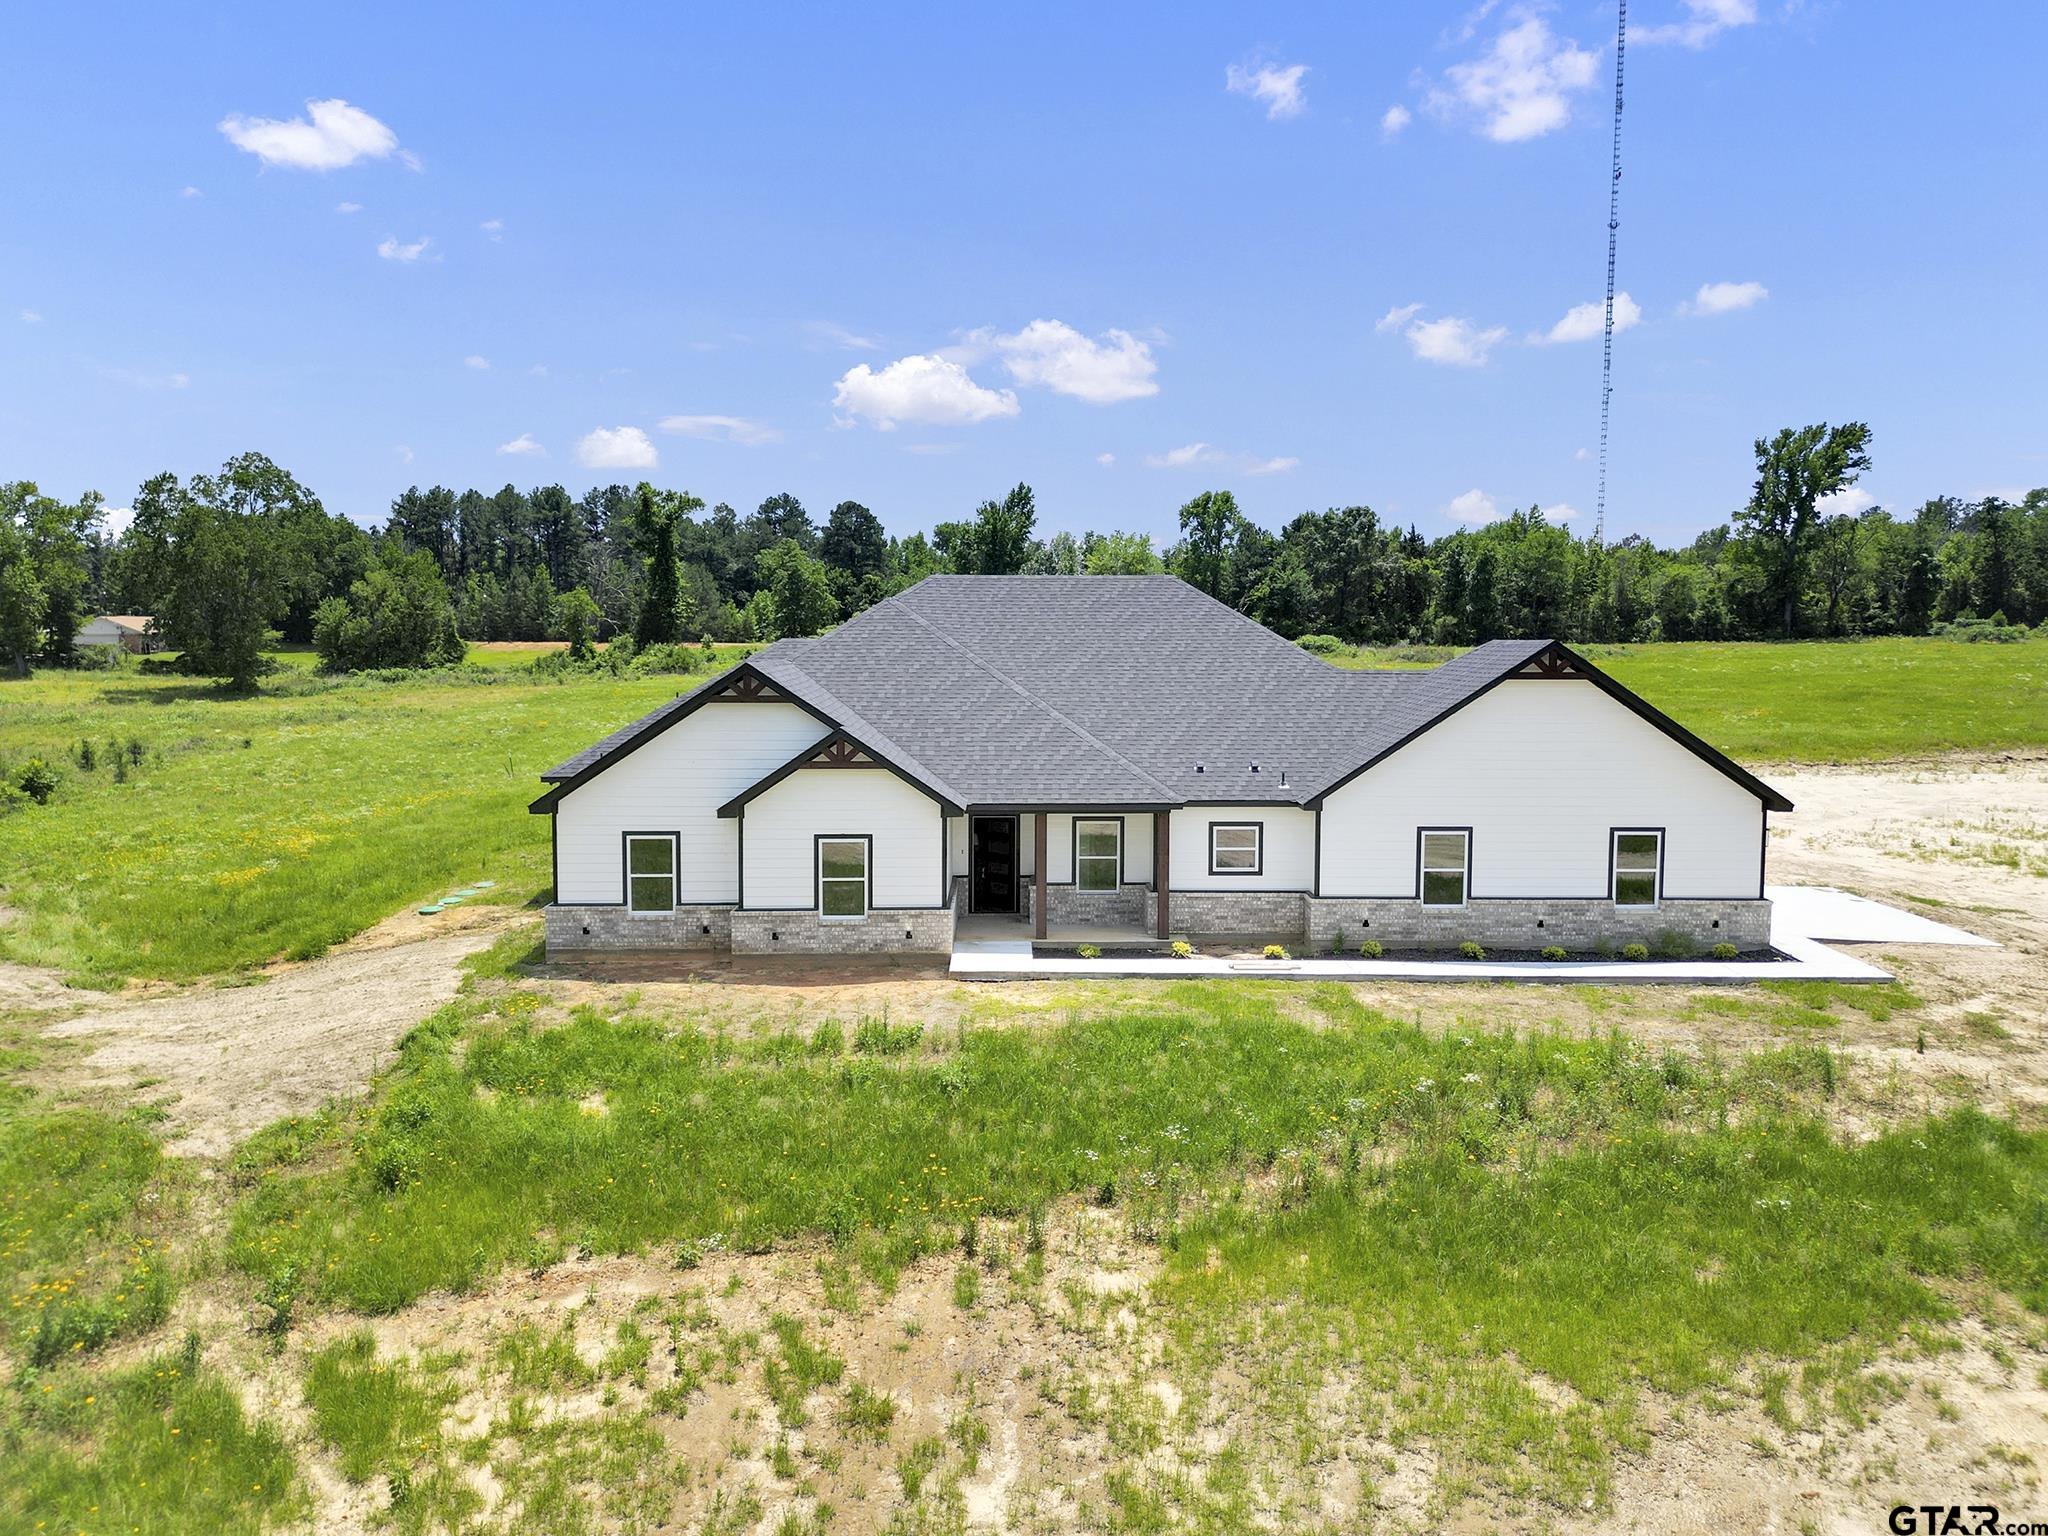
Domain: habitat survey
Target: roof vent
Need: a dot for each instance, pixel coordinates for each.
(1198, 767)
(1255, 767)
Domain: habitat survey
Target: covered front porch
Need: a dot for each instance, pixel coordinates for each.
(1089, 874)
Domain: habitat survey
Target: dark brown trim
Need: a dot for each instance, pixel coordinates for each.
(818, 842)
(1038, 875)
(675, 868)
(545, 805)
(1258, 852)
(1074, 849)
(807, 758)
(1607, 685)
(1614, 853)
(1162, 867)
(1763, 851)
(1417, 897)
(1093, 808)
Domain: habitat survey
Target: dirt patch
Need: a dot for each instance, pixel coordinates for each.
(226, 1061)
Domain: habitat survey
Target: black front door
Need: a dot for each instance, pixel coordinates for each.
(992, 864)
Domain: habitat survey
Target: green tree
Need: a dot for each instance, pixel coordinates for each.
(1794, 470)
(1123, 554)
(573, 617)
(21, 600)
(222, 588)
(1211, 528)
(661, 621)
(799, 587)
(53, 541)
(396, 615)
(1001, 544)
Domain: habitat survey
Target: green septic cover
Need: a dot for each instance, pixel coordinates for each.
(430, 911)
(485, 885)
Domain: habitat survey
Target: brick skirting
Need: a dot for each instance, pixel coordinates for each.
(882, 931)
(1518, 923)
(614, 928)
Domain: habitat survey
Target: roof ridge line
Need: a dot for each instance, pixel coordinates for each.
(1024, 693)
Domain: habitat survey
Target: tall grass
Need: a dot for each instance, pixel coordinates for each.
(614, 1133)
(277, 825)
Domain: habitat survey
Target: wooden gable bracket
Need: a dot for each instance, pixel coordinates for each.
(748, 688)
(841, 754)
(1548, 664)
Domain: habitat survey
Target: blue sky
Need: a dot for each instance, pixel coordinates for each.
(912, 255)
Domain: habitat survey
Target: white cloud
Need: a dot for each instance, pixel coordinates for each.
(1560, 512)
(1394, 119)
(348, 207)
(391, 250)
(190, 192)
(1053, 355)
(828, 334)
(1582, 454)
(495, 228)
(1521, 87)
(1453, 341)
(1706, 20)
(1586, 322)
(1279, 88)
(523, 446)
(1475, 506)
(481, 364)
(1852, 501)
(730, 429)
(31, 317)
(1204, 456)
(1106, 460)
(919, 388)
(616, 448)
(404, 454)
(136, 378)
(1396, 317)
(331, 135)
(114, 521)
(1724, 298)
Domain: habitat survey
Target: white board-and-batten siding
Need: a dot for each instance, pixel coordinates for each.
(785, 822)
(1542, 772)
(676, 783)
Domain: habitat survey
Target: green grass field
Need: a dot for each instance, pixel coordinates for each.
(277, 825)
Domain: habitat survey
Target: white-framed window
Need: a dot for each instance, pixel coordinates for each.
(1236, 847)
(1445, 854)
(650, 873)
(1098, 854)
(843, 877)
(1637, 861)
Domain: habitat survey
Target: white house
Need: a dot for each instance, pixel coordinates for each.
(1125, 752)
(130, 631)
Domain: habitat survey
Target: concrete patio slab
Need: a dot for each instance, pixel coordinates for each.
(1801, 917)
(1822, 912)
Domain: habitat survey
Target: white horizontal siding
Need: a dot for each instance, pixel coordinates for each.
(1059, 846)
(784, 823)
(1541, 771)
(676, 783)
(1289, 845)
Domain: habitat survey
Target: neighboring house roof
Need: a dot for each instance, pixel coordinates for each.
(1110, 691)
(134, 623)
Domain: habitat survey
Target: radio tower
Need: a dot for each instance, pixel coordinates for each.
(1613, 225)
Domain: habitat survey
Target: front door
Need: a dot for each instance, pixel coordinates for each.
(992, 864)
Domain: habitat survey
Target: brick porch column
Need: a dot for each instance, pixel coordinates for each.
(1038, 875)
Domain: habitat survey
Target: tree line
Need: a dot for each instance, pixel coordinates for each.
(222, 559)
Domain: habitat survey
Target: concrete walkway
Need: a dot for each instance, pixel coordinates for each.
(1835, 914)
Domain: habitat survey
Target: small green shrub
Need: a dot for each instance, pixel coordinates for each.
(1320, 645)
(1371, 949)
(37, 779)
(1183, 950)
(1275, 952)
(1472, 950)
(1554, 952)
(1635, 951)
(1725, 951)
(1091, 951)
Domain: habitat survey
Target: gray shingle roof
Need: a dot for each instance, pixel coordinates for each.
(1097, 690)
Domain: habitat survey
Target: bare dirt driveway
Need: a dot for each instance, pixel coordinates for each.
(227, 1061)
